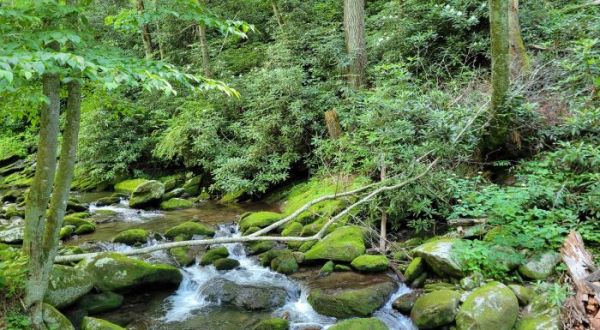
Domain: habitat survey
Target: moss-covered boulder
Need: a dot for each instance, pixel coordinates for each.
(524, 294)
(342, 268)
(100, 302)
(177, 192)
(214, 254)
(293, 229)
(435, 309)
(189, 229)
(110, 200)
(344, 244)
(370, 263)
(265, 258)
(66, 231)
(147, 194)
(259, 219)
(540, 266)
(192, 186)
(438, 255)
(183, 255)
(226, 264)
(129, 186)
(175, 204)
(250, 297)
(85, 229)
(360, 324)
(132, 236)
(55, 320)
(66, 285)
(327, 268)
(492, 306)
(472, 281)
(307, 245)
(285, 263)
(260, 247)
(116, 272)
(273, 324)
(92, 323)
(348, 294)
(415, 268)
(540, 314)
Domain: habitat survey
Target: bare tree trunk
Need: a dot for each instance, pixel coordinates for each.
(519, 61)
(146, 37)
(160, 39)
(39, 195)
(204, 46)
(383, 224)
(276, 13)
(354, 30)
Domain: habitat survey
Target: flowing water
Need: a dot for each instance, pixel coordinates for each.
(188, 307)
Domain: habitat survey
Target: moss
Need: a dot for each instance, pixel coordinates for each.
(226, 264)
(414, 269)
(284, 263)
(260, 247)
(351, 302)
(307, 245)
(327, 268)
(265, 258)
(91, 323)
(435, 309)
(344, 244)
(214, 254)
(232, 197)
(294, 229)
(132, 236)
(342, 268)
(492, 306)
(129, 186)
(251, 230)
(360, 324)
(192, 186)
(371, 263)
(54, 320)
(85, 229)
(524, 294)
(273, 324)
(188, 229)
(259, 219)
(100, 303)
(438, 255)
(182, 255)
(66, 285)
(76, 219)
(176, 203)
(148, 193)
(66, 231)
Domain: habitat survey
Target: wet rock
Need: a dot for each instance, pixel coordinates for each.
(53, 319)
(540, 266)
(285, 263)
(66, 285)
(251, 297)
(370, 263)
(76, 207)
(85, 229)
(344, 244)
(299, 256)
(435, 309)
(360, 324)
(492, 306)
(116, 272)
(214, 254)
(132, 236)
(265, 258)
(273, 324)
(260, 246)
(100, 302)
(178, 192)
(66, 232)
(342, 268)
(189, 229)
(349, 294)
(192, 186)
(405, 302)
(147, 194)
(524, 294)
(92, 323)
(226, 264)
(81, 225)
(414, 269)
(129, 186)
(110, 200)
(438, 255)
(259, 219)
(183, 255)
(175, 204)
(327, 268)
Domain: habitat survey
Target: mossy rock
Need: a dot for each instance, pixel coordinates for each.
(76, 219)
(132, 236)
(116, 272)
(226, 264)
(438, 255)
(492, 306)
(294, 229)
(342, 268)
(175, 204)
(147, 194)
(285, 263)
(192, 186)
(55, 320)
(414, 269)
(265, 258)
(214, 254)
(435, 309)
(232, 196)
(178, 192)
(251, 230)
(540, 314)
(472, 281)
(260, 247)
(524, 294)
(66, 231)
(85, 229)
(182, 256)
(344, 244)
(540, 266)
(360, 324)
(66, 285)
(273, 324)
(370, 263)
(307, 245)
(110, 200)
(404, 304)
(92, 323)
(189, 229)
(100, 302)
(327, 268)
(129, 186)
(259, 219)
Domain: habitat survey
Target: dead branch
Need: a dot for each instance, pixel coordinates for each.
(466, 222)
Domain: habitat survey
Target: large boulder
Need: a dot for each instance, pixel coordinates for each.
(541, 266)
(54, 320)
(92, 323)
(251, 297)
(66, 285)
(189, 229)
(438, 255)
(435, 309)
(114, 272)
(147, 194)
(349, 294)
(360, 324)
(371, 263)
(343, 244)
(192, 186)
(492, 306)
(132, 236)
(540, 314)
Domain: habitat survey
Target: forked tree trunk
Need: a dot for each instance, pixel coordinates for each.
(519, 61)
(146, 37)
(354, 31)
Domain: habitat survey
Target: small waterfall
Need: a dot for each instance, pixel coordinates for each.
(125, 213)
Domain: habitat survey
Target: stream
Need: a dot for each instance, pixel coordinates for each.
(189, 307)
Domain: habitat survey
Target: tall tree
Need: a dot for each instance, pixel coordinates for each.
(519, 61)
(145, 30)
(354, 31)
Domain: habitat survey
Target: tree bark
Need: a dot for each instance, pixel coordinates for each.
(160, 39)
(39, 195)
(277, 14)
(383, 224)
(354, 31)
(333, 124)
(204, 46)
(146, 37)
(519, 62)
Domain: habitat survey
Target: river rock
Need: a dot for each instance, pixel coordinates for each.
(472, 281)
(184, 256)
(492, 306)
(540, 266)
(213, 255)
(260, 246)
(132, 236)
(85, 229)
(524, 294)
(66, 285)
(53, 319)
(92, 323)
(110, 200)
(327, 268)
(100, 302)
(251, 297)
(178, 192)
(175, 204)
(189, 229)
(73, 206)
(349, 294)
(285, 263)
(115, 272)
(540, 314)
(273, 324)
(259, 219)
(147, 194)
(360, 324)
(343, 244)
(226, 264)
(370, 263)
(127, 187)
(435, 309)
(11, 196)
(66, 232)
(192, 186)
(438, 255)
(415, 268)
(405, 302)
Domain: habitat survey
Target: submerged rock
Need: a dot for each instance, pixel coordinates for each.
(438, 255)
(492, 306)
(214, 254)
(92, 323)
(147, 194)
(360, 324)
(343, 244)
(66, 285)
(251, 297)
(175, 204)
(273, 324)
(132, 236)
(53, 319)
(540, 266)
(370, 263)
(435, 309)
(189, 229)
(348, 294)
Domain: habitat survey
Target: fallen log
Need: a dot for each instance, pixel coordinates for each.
(466, 222)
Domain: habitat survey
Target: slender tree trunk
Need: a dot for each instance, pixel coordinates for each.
(146, 37)
(204, 46)
(39, 195)
(383, 224)
(499, 123)
(354, 28)
(277, 14)
(519, 61)
(160, 43)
